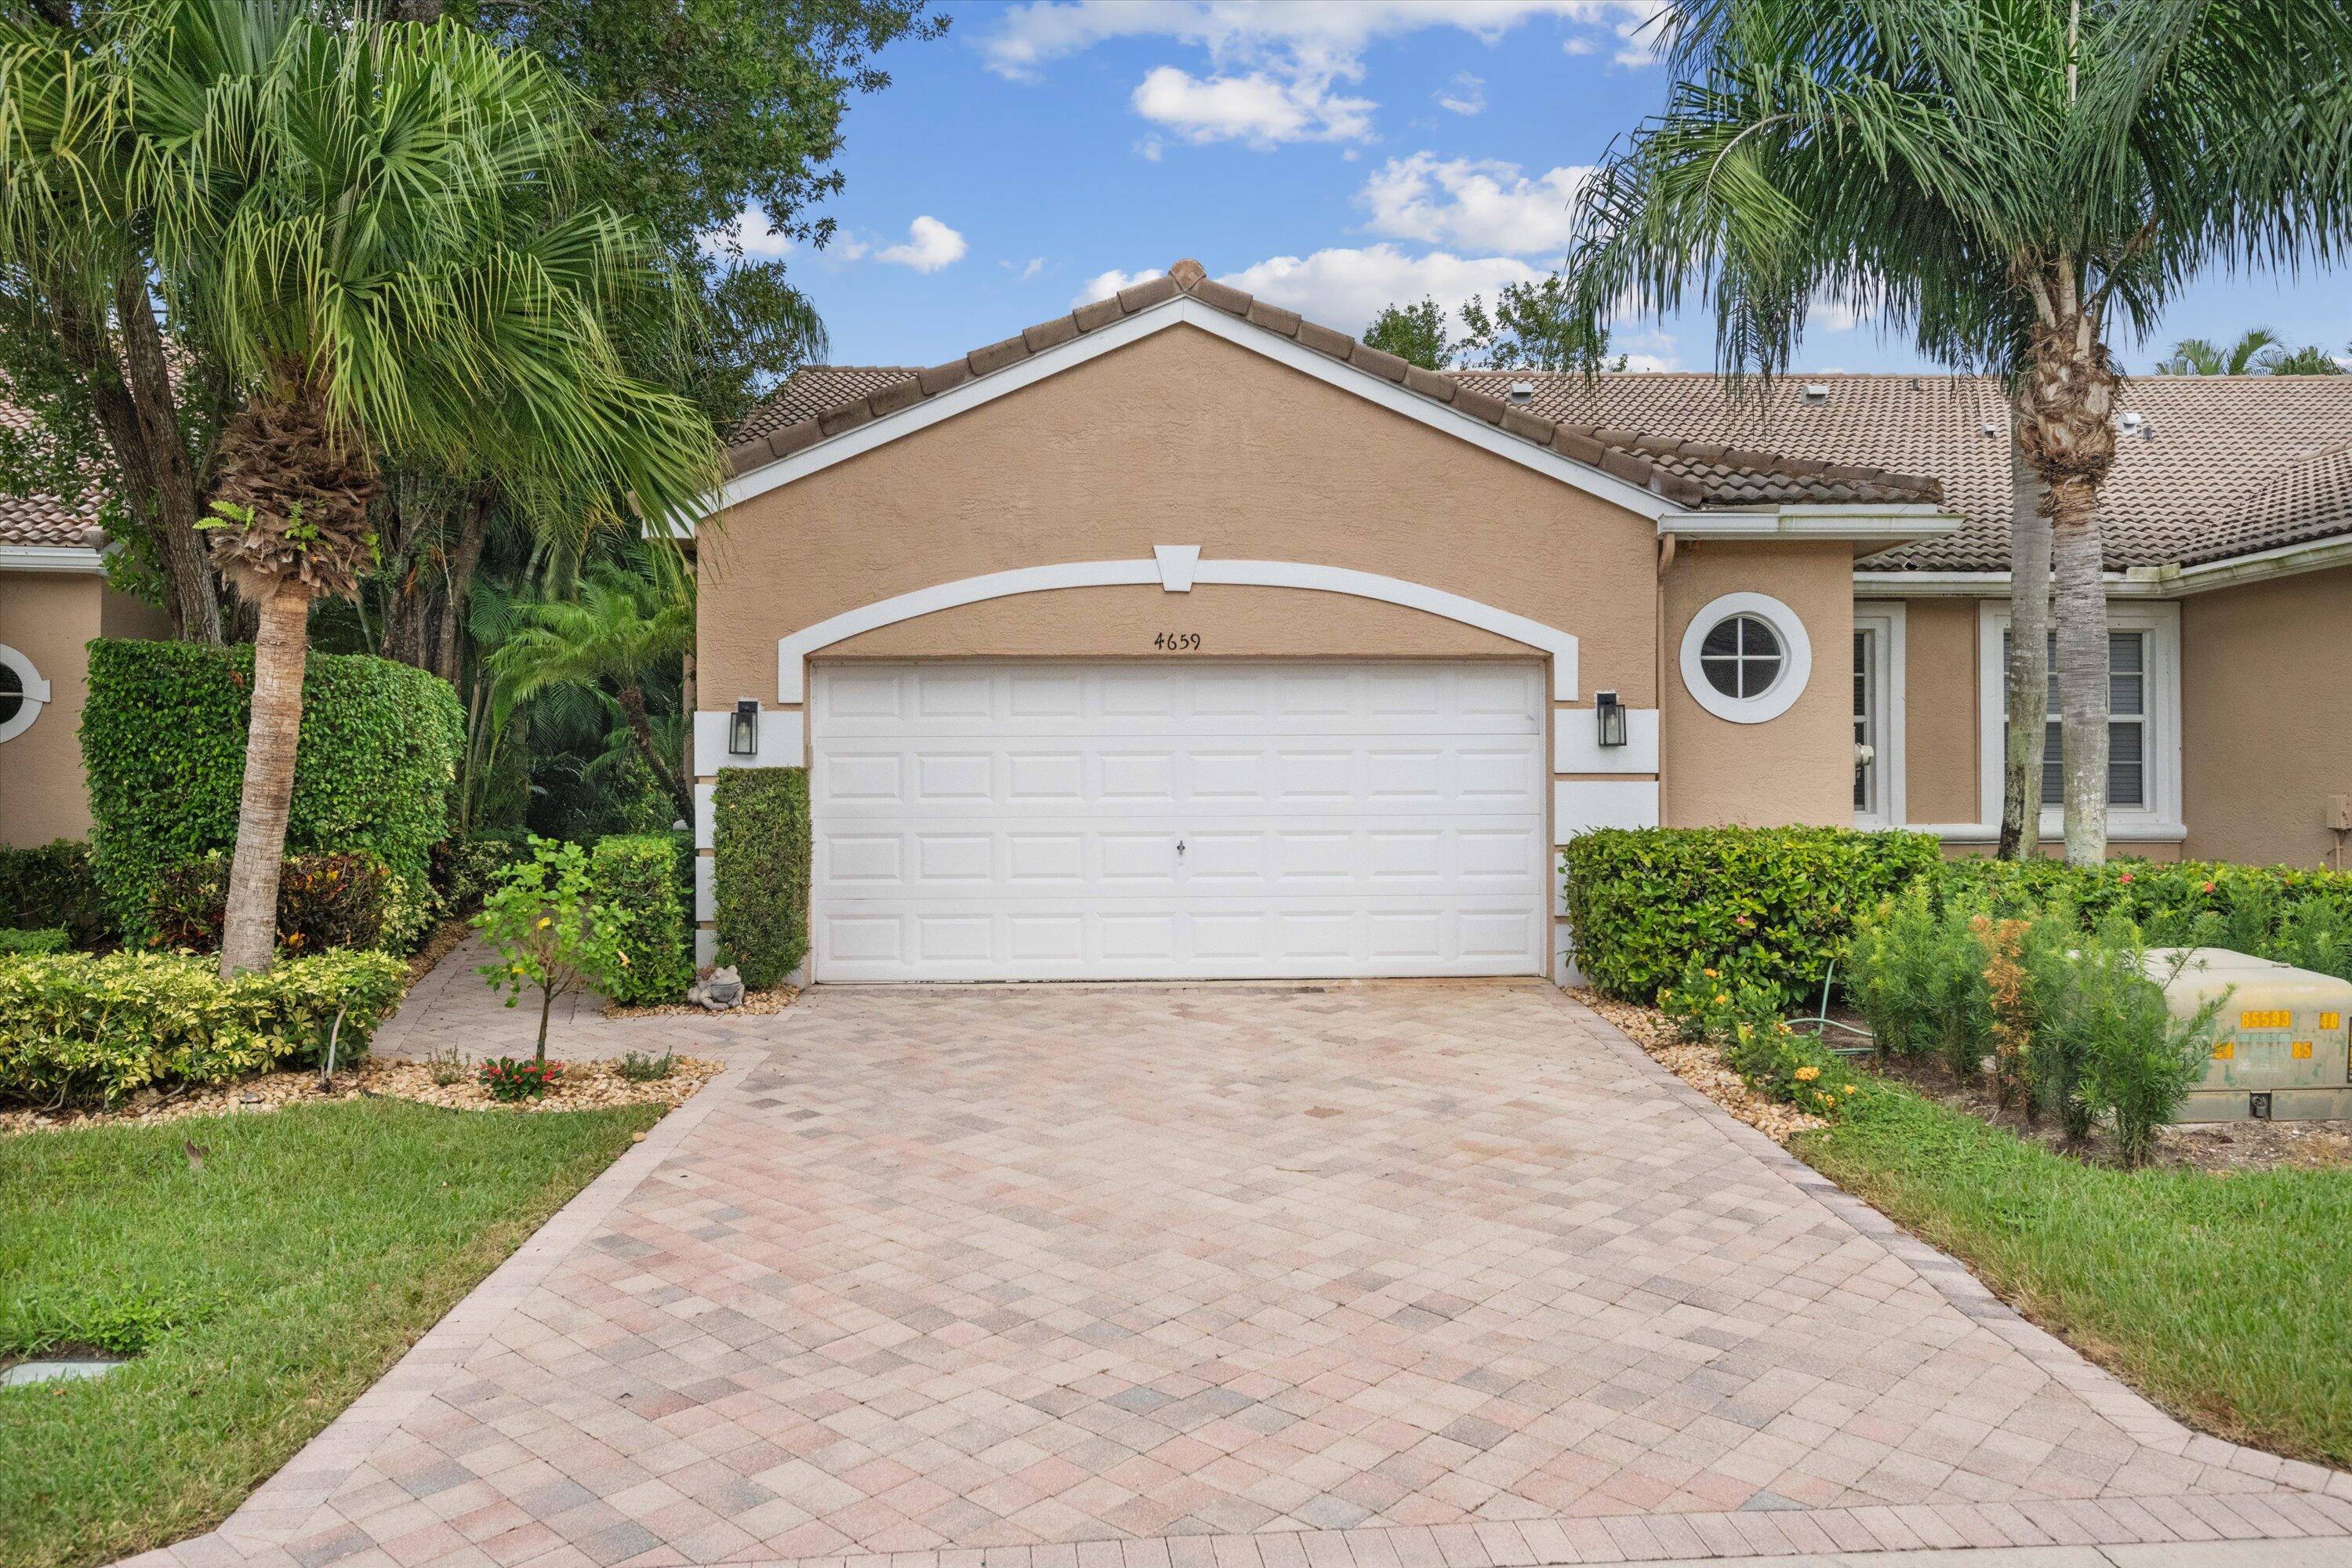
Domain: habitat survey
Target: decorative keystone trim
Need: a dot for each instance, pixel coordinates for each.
(1176, 565)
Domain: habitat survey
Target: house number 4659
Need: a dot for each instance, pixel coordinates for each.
(1177, 642)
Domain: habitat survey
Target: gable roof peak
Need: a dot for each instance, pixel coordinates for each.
(819, 402)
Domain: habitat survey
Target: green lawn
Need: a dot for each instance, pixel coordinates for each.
(2226, 1298)
(268, 1289)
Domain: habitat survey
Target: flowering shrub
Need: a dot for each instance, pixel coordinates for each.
(1743, 1020)
(508, 1079)
(337, 900)
(551, 931)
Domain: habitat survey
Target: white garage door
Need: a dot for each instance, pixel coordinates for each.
(1123, 821)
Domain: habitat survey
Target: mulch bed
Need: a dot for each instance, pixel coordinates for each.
(2218, 1146)
(774, 1000)
(585, 1086)
(2221, 1147)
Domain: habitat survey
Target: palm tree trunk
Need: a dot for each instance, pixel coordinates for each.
(2065, 402)
(2029, 664)
(633, 709)
(2082, 616)
(280, 648)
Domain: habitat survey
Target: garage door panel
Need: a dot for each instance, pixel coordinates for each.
(1021, 821)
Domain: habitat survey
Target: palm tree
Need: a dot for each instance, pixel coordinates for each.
(2257, 349)
(371, 229)
(623, 623)
(2002, 179)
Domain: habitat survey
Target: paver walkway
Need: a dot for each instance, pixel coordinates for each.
(1373, 1277)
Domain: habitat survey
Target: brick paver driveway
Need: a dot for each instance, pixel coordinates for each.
(1380, 1277)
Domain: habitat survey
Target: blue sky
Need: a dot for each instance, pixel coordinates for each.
(1329, 154)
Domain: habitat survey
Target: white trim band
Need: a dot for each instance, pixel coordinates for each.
(79, 558)
(793, 650)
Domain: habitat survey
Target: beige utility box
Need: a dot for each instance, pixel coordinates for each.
(2280, 1046)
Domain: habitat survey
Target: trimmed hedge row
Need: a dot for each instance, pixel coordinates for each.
(760, 846)
(77, 1029)
(640, 873)
(163, 739)
(52, 885)
(1774, 904)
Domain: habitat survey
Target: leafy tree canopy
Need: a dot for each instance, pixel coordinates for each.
(1414, 334)
(1531, 327)
(703, 108)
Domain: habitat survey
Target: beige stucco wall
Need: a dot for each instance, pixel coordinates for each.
(1179, 438)
(2267, 717)
(1940, 708)
(48, 616)
(1799, 767)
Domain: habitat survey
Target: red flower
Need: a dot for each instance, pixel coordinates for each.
(2127, 877)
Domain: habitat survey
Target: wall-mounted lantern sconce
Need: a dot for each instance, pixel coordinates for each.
(1611, 714)
(743, 729)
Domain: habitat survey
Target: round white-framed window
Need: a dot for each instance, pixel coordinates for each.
(1746, 657)
(22, 694)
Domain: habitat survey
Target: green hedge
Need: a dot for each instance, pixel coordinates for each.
(1775, 904)
(1644, 903)
(163, 739)
(760, 845)
(641, 874)
(52, 885)
(15, 943)
(77, 1029)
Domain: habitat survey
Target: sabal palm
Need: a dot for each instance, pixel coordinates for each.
(2003, 180)
(369, 226)
(623, 623)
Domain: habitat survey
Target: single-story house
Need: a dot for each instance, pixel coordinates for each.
(54, 599)
(1178, 637)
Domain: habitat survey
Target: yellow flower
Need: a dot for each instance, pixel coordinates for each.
(1825, 1099)
(1807, 1074)
(1720, 998)
(545, 922)
(518, 968)
(1849, 1088)
(1708, 972)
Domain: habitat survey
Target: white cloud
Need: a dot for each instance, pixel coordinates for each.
(930, 245)
(1476, 203)
(752, 235)
(1316, 34)
(1256, 109)
(1344, 287)
(1274, 63)
(1465, 94)
(1103, 285)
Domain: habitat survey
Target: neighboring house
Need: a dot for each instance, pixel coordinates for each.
(53, 600)
(1180, 637)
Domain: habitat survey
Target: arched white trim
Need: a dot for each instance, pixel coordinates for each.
(1796, 664)
(792, 651)
(36, 693)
